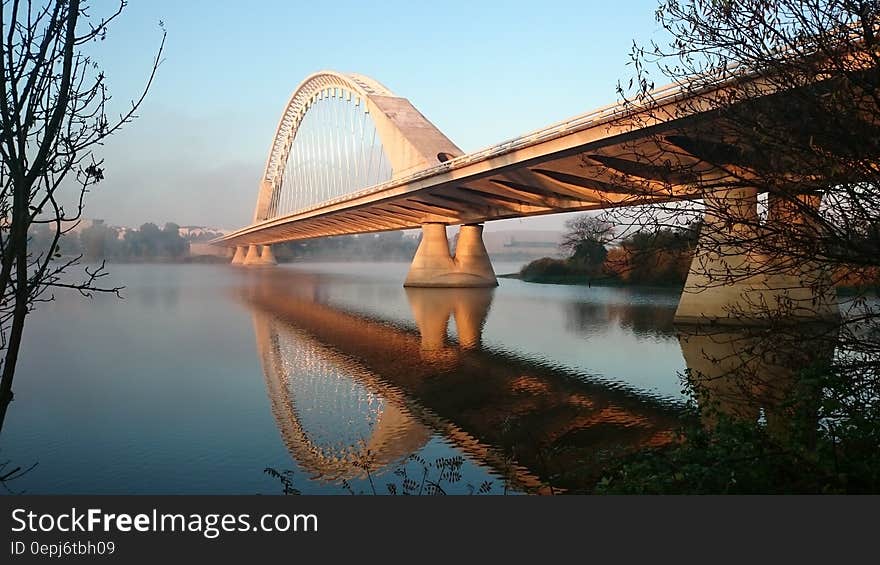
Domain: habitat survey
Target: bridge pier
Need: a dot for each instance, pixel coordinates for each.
(253, 256)
(259, 256)
(267, 258)
(240, 253)
(434, 266)
(731, 281)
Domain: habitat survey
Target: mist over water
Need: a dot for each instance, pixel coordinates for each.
(205, 375)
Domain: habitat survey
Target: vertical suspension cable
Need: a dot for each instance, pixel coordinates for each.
(319, 126)
(372, 151)
(358, 113)
(343, 145)
(337, 178)
(300, 175)
(307, 186)
(293, 188)
(335, 150)
(286, 181)
(362, 170)
(348, 138)
(325, 152)
(296, 186)
(316, 149)
(328, 161)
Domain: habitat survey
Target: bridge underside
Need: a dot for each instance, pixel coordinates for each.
(528, 182)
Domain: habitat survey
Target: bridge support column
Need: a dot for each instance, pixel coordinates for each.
(240, 253)
(260, 256)
(807, 284)
(433, 266)
(253, 256)
(267, 258)
(731, 281)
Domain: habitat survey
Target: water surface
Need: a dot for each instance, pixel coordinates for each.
(204, 375)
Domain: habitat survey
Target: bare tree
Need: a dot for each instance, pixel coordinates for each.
(782, 161)
(53, 113)
(588, 228)
(770, 136)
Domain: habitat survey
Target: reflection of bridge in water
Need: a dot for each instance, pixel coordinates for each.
(388, 388)
(351, 392)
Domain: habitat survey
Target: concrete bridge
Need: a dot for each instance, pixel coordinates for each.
(350, 157)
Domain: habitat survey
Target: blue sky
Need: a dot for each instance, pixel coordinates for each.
(482, 71)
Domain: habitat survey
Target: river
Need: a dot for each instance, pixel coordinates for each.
(205, 375)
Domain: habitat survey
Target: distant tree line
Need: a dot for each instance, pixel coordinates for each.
(100, 241)
(385, 246)
(149, 242)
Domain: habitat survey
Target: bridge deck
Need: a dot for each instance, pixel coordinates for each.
(608, 157)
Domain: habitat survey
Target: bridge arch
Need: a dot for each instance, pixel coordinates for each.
(402, 141)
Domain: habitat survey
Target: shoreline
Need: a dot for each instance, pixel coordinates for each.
(576, 281)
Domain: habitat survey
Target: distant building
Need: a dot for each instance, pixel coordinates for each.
(76, 226)
(522, 244)
(201, 248)
(198, 238)
(121, 231)
(200, 232)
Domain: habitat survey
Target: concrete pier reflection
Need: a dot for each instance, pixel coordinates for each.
(433, 307)
(751, 372)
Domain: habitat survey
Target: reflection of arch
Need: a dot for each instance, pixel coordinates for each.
(409, 141)
(394, 434)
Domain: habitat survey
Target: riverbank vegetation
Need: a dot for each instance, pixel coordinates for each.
(819, 437)
(658, 257)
